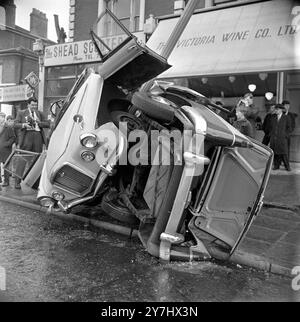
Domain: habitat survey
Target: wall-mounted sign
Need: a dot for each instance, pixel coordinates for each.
(32, 80)
(81, 52)
(15, 93)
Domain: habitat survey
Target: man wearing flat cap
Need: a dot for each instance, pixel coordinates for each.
(280, 132)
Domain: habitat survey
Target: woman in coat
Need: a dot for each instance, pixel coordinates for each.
(7, 139)
(280, 131)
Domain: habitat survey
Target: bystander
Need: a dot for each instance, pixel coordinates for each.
(31, 124)
(7, 139)
(280, 130)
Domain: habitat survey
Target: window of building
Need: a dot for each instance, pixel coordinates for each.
(2, 18)
(127, 11)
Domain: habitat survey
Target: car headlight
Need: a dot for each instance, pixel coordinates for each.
(47, 202)
(58, 195)
(88, 156)
(89, 140)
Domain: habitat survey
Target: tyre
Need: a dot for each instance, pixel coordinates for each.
(133, 123)
(114, 207)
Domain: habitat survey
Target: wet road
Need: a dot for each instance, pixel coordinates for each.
(47, 259)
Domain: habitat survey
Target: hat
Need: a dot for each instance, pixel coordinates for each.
(277, 106)
(285, 102)
(2, 114)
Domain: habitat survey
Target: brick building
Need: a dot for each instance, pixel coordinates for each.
(17, 58)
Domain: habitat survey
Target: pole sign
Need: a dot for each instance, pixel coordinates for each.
(81, 52)
(15, 93)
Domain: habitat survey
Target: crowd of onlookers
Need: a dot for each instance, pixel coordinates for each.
(26, 131)
(278, 125)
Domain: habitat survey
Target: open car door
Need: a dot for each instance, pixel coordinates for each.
(234, 195)
(129, 63)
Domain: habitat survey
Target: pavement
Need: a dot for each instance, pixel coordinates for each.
(272, 243)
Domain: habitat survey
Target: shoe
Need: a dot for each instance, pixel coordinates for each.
(17, 186)
(288, 169)
(275, 168)
(5, 184)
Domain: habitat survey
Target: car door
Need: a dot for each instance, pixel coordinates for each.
(234, 193)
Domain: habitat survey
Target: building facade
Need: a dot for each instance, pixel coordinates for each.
(227, 49)
(17, 58)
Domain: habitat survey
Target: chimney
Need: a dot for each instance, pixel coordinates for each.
(10, 12)
(38, 23)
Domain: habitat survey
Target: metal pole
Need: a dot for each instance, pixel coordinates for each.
(178, 30)
(175, 35)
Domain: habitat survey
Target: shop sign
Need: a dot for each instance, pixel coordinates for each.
(262, 36)
(80, 52)
(15, 93)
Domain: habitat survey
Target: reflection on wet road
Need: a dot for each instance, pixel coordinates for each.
(50, 260)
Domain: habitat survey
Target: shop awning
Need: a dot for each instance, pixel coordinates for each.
(263, 36)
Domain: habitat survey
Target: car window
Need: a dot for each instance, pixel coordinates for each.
(109, 34)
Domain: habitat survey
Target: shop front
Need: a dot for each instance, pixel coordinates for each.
(63, 63)
(225, 52)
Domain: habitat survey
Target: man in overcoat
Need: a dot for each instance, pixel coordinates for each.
(7, 139)
(292, 117)
(280, 131)
(267, 125)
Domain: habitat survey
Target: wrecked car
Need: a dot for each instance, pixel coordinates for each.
(161, 161)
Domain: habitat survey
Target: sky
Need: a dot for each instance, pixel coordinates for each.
(49, 7)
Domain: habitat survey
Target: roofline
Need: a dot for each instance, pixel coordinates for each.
(27, 34)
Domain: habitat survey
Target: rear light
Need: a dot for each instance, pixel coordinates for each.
(47, 202)
(88, 156)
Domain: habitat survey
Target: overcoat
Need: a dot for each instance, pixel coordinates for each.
(280, 131)
(7, 138)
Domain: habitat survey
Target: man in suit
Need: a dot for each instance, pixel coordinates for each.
(292, 117)
(31, 124)
(280, 131)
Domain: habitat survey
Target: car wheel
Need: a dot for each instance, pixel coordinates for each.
(133, 123)
(113, 206)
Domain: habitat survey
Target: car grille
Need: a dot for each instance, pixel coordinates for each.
(71, 179)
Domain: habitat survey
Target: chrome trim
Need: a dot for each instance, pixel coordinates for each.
(64, 206)
(86, 135)
(197, 119)
(172, 238)
(67, 190)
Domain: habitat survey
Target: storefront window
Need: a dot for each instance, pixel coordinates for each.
(230, 89)
(59, 81)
